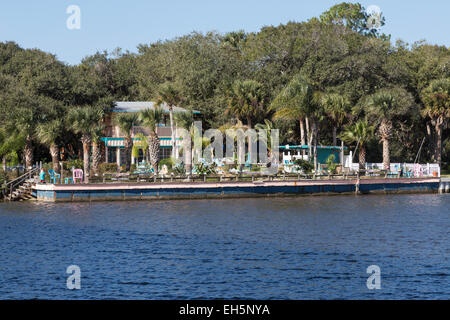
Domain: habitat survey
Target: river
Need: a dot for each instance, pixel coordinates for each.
(315, 247)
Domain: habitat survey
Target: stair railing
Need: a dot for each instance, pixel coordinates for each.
(12, 185)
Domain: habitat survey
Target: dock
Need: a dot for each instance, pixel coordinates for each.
(229, 189)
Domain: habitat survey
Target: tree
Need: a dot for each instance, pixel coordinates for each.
(85, 121)
(97, 133)
(49, 133)
(150, 118)
(360, 133)
(384, 107)
(168, 94)
(246, 100)
(353, 16)
(436, 98)
(10, 145)
(294, 103)
(336, 107)
(125, 122)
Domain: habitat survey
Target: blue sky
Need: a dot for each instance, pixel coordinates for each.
(111, 24)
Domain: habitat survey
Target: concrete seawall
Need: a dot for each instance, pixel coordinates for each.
(183, 190)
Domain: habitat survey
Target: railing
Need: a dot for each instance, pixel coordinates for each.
(12, 185)
(241, 176)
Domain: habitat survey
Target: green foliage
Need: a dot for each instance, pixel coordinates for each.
(107, 168)
(205, 169)
(331, 165)
(179, 169)
(304, 165)
(299, 69)
(169, 162)
(126, 121)
(74, 163)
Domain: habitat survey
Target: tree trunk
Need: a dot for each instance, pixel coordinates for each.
(386, 133)
(4, 163)
(431, 144)
(28, 153)
(96, 156)
(334, 135)
(314, 136)
(54, 152)
(308, 138)
(438, 143)
(153, 150)
(86, 140)
(362, 157)
(128, 144)
(188, 165)
(172, 131)
(386, 155)
(302, 135)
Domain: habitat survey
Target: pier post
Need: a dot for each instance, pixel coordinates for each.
(357, 183)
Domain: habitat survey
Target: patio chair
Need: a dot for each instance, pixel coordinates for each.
(54, 176)
(77, 174)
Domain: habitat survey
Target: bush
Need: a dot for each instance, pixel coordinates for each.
(107, 168)
(179, 169)
(304, 166)
(202, 169)
(168, 162)
(331, 165)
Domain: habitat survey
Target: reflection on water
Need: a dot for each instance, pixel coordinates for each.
(287, 248)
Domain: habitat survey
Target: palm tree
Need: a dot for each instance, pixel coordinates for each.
(150, 118)
(384, 107)
(294, 103)
(85, 121)
(359, 133)
(169, 95)
(246, 100)
(48, 133)
(97, 133)
(436, 98)
(125, 122)
(141, 143)
(336, 107)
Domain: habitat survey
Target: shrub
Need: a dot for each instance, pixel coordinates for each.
(179, 169)
(304, 166)
(168, 162)
(331, 165)
(203, 169)
(107, 168)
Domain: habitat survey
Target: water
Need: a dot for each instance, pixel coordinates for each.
(287, 248)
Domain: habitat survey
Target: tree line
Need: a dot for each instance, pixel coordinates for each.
(329, 78)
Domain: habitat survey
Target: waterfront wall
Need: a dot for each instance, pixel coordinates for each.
(146, 191)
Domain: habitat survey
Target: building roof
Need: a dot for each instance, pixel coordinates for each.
(136, 106)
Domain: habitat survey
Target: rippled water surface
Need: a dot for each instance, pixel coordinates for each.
(287, 248)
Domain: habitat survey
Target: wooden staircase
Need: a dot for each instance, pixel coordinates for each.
(21, 188)
(23, 192)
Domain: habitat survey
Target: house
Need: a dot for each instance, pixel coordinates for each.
(114, 139)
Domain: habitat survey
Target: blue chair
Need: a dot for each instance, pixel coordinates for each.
(68, 180)
(54, 176)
